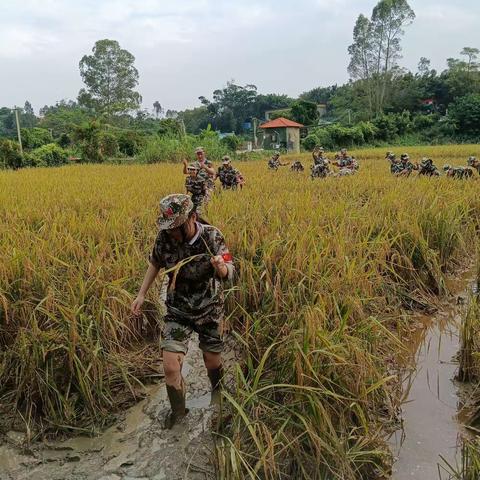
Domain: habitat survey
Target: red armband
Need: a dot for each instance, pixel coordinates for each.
(227, 257)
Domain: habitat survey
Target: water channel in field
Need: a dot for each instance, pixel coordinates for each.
(433, 411)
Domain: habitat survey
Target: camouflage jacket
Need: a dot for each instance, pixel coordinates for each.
(273, 163)
(297, 166)
(196, 186)
(194, 291)
(228, 176)
(427, 168)
(209, 179)
(345, 161)
(320, 160)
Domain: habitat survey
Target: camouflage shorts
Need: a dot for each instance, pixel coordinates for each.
(175, 335)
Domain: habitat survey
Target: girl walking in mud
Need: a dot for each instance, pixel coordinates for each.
(197, 262)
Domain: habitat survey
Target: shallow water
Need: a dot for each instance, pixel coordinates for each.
(136, 446)
(432, 428)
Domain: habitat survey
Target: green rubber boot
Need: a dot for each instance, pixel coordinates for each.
(177, 402)
(215, 375)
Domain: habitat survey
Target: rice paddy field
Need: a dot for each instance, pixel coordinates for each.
(328, 270)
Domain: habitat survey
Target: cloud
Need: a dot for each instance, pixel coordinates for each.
(188, 48)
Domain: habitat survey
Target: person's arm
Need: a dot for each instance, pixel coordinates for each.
(222, 260)
(209, 170)
(185, 165)
(149, 278)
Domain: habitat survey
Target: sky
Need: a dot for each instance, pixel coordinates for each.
(188, 48)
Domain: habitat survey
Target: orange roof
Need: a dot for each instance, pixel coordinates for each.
(281, 123)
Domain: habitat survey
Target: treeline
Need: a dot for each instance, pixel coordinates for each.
(382, 103)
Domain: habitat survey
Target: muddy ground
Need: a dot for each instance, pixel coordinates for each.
(135, 447)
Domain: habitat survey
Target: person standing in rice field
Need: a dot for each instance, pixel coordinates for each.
(196, 186)
(474, 163)
(229, 176)
(205, 170)
(197, 262)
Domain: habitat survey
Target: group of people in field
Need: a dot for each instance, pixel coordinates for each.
(196, 260)
(403, 167)
(321, 167)
(201, 176)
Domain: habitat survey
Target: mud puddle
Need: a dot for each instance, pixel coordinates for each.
(136, 447)
(432, 410)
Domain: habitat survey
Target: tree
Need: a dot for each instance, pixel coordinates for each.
(424, 66)
(472, 55)
(305, 112)
(465, 112)
(231, 106)
(110, 78)
(157, 108)
(376, 48)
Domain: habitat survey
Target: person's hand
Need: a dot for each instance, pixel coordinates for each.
(185, 162)
(218, 264)
(136, 307)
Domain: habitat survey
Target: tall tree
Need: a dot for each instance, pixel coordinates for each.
(472, 55)
(110, 78)
(362, 61)
(157, 108)
(376, 48)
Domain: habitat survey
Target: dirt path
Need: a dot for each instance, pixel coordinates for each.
(432, 429)
(136, 447)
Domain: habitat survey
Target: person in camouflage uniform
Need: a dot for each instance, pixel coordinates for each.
(318, 155)
(275, 162)
(206, 170)
(229, 176)
(196, 186)
(197, 262)
(297, 166)
(345, 161)
(320, 167)
(427, 168)
(395, 165)
(474, 163)
(405, 167)
(461, 173)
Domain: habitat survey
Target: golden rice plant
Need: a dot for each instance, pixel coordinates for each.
(325, 269)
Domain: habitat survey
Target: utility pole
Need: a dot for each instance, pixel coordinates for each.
(18, 131)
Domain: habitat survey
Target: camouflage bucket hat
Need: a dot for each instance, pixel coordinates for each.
(226, 159)
(193, 166)
(174, 211)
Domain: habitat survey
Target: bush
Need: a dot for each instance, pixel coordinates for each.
(109, 144)
(35, 137)
(369, 131)
(88, 135)
(422, 122)
(231, 142)
(170, 126)
(310, 142)
(10, 156)
(465, 112)
(346, 136)
(130, 142)
(64, 140)
(50, 155)
(174, 149)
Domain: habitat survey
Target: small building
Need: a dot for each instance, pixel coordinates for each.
(282, 133)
